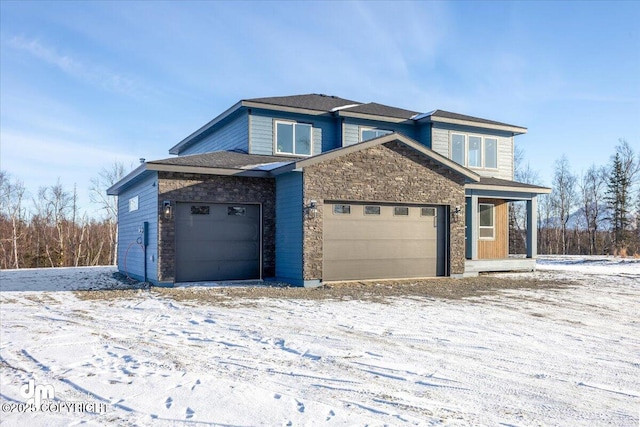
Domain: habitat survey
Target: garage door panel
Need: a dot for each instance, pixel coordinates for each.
(221, 251)
(359, 246)
(378, 249)
(382, 230)
(204, 231)
(364, 269)
(225, 270)
(217, 241)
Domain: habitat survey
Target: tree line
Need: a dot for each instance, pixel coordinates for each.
(596, 212)
(49, 230)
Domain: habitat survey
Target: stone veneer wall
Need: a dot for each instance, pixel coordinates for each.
(392, 172)
(183, 187)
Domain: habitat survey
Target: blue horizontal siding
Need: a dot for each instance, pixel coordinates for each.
(233, 135)
(261, 131)
(440, 134)
(289, 214)
(351, 133)
(424, 134)
(130, 253)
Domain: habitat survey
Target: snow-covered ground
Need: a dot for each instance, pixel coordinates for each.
(565, 356)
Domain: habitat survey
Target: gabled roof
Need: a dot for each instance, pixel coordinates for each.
(312, 101)
(339, 152)
(328, 105)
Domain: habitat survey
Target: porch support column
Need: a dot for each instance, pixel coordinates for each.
(532, 227)
(473, 223)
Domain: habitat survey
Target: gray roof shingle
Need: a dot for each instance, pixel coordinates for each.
(311, 101)
(376, 109)
(223, 160)
(328, 103)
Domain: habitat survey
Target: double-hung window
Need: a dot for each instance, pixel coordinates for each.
(293, 138)
(487, 228)
(474, 151)
(370, 133)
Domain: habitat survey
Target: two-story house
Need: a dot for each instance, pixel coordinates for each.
(313, 188)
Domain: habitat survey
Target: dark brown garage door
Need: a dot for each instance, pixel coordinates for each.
(216, 241)
(382, 242)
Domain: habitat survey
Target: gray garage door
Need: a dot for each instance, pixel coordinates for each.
(382, 242)
(216, 241)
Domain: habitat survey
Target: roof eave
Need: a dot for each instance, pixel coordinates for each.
(264, 106)
(516, 130)
(116, 188)
(515, 189)
(176, 149)
(376, 117)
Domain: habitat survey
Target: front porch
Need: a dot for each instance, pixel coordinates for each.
(487, 227)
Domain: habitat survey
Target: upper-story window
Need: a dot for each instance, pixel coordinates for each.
(370, 133)
(293, 138)
(474, 151)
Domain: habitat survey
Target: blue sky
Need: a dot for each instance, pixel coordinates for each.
(84, 84)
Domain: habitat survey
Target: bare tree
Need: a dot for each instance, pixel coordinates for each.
(563, 197)
(11, 196)
(592, 188)
(53, 205)
(108, 204)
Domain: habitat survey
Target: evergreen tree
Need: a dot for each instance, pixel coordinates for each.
(617, 200)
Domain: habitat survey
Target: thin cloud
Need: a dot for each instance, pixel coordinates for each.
(90, 73)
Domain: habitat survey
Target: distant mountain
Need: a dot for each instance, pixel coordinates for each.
(577, 219)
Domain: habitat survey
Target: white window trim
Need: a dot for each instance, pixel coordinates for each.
(134, 203)
(293, 123)
(362, 129)
(482, 149)
(493, 221)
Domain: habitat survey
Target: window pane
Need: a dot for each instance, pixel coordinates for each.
(475, 153)
(428, 212)
(199, 210)
(303, 139)
(372, 210)
(284, 133)
(457, 148)
(368, 134)
(486, 215)
(236, 211)
(401, 210)
(491, 153)
(342, 209)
